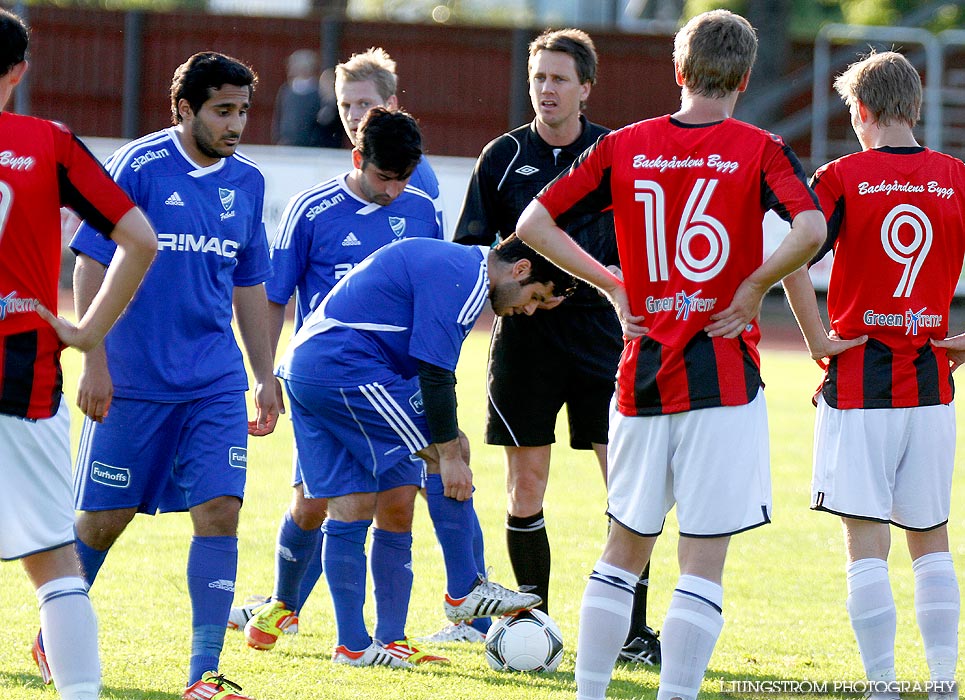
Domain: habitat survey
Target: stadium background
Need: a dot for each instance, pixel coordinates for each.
(466, 84)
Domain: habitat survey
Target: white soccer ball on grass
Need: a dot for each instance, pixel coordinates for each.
(525, 641)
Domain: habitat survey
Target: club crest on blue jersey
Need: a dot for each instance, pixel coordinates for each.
(227, 201)
(238, 457)
(397, 224)
(118, 477)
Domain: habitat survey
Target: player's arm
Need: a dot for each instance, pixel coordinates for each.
(804, 304)
(100, 296)
(94, 387)
(539, 231)
(276, 321)
(251, 314)
(450, 448)
(808, 232)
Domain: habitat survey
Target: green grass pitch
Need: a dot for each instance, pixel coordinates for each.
(783, 603)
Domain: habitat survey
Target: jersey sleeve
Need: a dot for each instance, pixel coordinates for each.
(585, 187)
(86, 187)
(424, 177)
(88, 239)
(476, 226)
(784, 188)
(254, 263)
(827, 188)
(288, 251)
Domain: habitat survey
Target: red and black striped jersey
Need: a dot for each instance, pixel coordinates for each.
(42, 168)
(896, 224)
(688, 203)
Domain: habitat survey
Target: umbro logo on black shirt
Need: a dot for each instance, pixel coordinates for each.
(527, 170)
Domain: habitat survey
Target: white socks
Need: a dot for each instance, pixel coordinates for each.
(937, 607)
(604, 623)
(70, 637)
(689, 635)
(871, 608)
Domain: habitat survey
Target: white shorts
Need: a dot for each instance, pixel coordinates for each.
(893, 465)
(713, 463)
(36, 501)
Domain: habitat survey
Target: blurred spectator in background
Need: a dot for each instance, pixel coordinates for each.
(305, 111)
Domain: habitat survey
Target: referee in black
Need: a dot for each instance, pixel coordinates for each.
(579, 343)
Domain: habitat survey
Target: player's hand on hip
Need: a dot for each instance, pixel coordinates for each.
(633, 326)
(737, 317)
(834, 345)
(69, 334)
(954, 348)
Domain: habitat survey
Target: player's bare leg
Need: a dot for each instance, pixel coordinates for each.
(527, 473)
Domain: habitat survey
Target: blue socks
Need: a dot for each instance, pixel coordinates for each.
(313, 572)
(344, 561)
(453, 523)
(479, 555)
(391, 561)
(212, 568)
(91, 560)
(292, 559)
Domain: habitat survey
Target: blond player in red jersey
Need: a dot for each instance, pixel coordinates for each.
(689, 424)
(884, 443)
(42, 168)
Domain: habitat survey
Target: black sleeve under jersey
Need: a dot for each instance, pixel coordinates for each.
(439, 401)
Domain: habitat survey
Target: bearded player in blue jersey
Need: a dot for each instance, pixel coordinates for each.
(166, 426)
(371, 382)
(326, 231)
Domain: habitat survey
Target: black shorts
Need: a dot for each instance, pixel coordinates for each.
(538, 364)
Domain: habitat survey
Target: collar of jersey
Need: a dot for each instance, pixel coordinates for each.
(575, 148)
(198, 170)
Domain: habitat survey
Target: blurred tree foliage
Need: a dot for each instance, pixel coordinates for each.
(805, 17)
(802, 18)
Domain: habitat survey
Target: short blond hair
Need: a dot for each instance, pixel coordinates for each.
(714, 51)
(886, 84)
(375, 65)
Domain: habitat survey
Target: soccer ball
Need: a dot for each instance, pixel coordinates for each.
(525, 641)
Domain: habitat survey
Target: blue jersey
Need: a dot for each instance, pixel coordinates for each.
(327, 230)
(413, 300)
(424, 178)
(175, 341)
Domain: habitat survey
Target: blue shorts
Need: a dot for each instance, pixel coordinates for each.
(386, 481)
(163, 457)
(357, 439)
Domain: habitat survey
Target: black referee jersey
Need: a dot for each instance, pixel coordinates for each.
(510, 172)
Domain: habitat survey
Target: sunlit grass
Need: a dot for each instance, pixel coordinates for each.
(783, 603)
